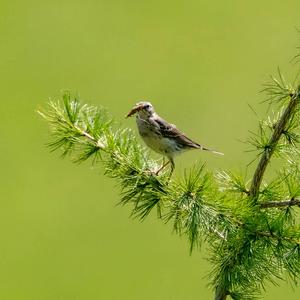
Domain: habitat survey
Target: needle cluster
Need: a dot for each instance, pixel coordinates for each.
(250, 225)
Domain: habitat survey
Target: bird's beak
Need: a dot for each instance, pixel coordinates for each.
(134, 110)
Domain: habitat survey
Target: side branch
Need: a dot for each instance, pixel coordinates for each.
(268, 152)
(274, 236)
(269, 204)
(90, 138)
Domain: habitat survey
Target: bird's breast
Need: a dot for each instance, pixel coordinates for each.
(153, 139)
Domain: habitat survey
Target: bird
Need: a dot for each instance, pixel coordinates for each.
(161, 136)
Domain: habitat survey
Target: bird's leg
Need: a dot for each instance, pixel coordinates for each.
(162, 167)
(171, 160)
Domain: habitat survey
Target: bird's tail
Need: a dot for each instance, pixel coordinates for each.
(211, 150)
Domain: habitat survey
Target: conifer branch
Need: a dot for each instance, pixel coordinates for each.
(250, 244)
(279, 91)
(271, 145)
(278, 204)
(278, 237)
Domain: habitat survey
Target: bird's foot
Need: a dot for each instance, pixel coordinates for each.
(154, 172)
(161, 168)
(151, 172)
(157, 172)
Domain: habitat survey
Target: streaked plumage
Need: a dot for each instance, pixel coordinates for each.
(161, 136)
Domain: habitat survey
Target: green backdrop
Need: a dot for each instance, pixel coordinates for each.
(200, 63)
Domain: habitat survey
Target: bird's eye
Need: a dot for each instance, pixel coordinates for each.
(147, 106)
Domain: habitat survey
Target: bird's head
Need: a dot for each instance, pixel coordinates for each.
(143, 109)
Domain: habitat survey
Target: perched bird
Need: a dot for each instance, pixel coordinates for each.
(161, 136)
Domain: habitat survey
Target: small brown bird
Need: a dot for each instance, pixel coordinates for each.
(161, 136)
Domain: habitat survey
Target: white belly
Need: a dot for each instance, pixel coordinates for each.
(164, 146)
(156, 142)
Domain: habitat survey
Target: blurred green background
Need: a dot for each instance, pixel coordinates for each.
(199, 62)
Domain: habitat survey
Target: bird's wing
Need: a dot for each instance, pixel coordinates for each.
(168, 130)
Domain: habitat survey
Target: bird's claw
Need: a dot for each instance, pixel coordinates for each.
(153, 172)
